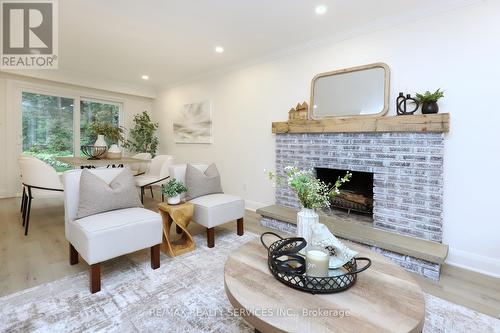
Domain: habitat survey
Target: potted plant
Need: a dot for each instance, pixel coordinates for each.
(104, 129)
(312, 193)
(173, 190)
(142, 138)
(429, 101)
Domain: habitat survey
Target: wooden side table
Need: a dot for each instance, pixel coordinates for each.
(180, 215)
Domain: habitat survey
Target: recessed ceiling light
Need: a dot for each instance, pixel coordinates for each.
(219, 49)
(145, 77)
(320, 10)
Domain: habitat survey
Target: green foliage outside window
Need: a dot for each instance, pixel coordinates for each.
(47, 126)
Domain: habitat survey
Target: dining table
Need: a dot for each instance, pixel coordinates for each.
(86, 163)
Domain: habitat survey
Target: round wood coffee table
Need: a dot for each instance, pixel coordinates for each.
(384, 298)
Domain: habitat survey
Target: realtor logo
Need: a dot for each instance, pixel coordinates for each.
(29, 34)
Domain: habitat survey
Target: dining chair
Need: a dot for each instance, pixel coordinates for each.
(156, 175)
(23, 197)
(140, 168)
(39, 180)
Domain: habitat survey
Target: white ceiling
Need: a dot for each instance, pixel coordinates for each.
(174, 40)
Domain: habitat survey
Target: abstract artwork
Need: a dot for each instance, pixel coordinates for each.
(193, 123)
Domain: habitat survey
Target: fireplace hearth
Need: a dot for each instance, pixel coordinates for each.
(355, 195)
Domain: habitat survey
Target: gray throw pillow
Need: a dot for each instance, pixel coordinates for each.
(201, 183)
(96, 196)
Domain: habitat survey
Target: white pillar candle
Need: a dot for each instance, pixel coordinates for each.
(317, 262)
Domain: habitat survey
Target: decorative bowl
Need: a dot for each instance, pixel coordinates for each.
(93, 152)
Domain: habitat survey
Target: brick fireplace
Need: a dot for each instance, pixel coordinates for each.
(407, 174)
(407, 170)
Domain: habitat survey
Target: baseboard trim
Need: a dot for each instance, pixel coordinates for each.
(254, 205)
(474, 262)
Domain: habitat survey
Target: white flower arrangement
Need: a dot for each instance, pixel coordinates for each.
(312, 192)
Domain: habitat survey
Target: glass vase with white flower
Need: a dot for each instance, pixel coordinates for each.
(312, 193)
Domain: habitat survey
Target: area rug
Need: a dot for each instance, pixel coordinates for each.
(186, 294)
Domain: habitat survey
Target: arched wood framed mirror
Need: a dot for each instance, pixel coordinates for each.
(358, 91)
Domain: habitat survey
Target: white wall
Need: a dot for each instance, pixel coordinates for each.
(10, 119)
(458, 51)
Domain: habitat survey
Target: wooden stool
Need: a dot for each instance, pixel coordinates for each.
(180, 215)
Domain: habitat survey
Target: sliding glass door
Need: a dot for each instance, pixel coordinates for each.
(47, 127)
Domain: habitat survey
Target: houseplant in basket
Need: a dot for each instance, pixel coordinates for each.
(312, 193)
(429, 100)
(173, 190)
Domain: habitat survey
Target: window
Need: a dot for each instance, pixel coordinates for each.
(50, 124)
(96, 111)
(47, 127)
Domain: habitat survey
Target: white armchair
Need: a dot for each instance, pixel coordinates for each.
(213, 209)
(107, 235)
(39, 180)
(156, 175)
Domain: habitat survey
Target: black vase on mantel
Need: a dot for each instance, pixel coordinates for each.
(430, 107)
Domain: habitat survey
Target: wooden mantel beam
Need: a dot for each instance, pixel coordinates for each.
(407, 123)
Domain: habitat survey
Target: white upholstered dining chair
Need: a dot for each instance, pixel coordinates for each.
(156, 175)
(140, 168)
(39, 180)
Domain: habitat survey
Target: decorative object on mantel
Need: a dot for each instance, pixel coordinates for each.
(312, 193)
(429, 101)
(299, 112)
(173, 190)
(339, 253)
(288, 266)
(361, 91)
(93, 152)
(114, 152)
(402, 102)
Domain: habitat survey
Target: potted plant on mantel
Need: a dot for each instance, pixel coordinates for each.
(173, 190)
(312, 193)
(429, 101)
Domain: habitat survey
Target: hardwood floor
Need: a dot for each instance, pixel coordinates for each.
(42, 256)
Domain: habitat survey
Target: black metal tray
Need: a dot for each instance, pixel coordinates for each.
(288, 266)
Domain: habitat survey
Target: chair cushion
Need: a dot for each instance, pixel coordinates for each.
(110, 234)
(97, 196)
(201, 183)
(216, 209)
(143, 180)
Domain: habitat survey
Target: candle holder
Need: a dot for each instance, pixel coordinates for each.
(289, 267)
(317, 262)
(402, 103)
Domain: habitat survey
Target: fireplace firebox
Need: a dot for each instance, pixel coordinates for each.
(355, 195)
